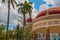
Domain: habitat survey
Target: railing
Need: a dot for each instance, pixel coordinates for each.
(55, 16)
(44, 24)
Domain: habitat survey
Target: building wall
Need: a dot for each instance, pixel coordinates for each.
(41, 24)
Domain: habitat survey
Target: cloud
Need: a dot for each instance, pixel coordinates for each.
(3, 15)
(50, 2)
(34, 11)
(57, 3)
(14, 16)
(42, 7)
(54, 3)
(47, 5)
(21, 1)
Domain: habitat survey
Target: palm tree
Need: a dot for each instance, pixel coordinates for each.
(18, 31)
(24, 8)
(9, 2)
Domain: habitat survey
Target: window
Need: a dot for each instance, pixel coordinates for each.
(41, 36)
(53, 36)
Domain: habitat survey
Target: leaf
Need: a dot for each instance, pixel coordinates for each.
(19, 10)
(13, 5)
(3, 1)
(21, 4)
(15, 2)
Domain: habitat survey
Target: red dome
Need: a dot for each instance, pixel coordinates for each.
(51, 11)
(29, 19)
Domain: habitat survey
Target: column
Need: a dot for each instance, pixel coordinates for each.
(35, 36)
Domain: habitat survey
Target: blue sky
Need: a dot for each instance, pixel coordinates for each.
(38, 6)
(12, 26)
(38, 3)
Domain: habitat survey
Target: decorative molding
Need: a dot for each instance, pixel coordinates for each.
(51, 23)
(53, 16)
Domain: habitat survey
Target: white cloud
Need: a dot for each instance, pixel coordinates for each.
(4, 12)
(14, 15)
(50, 2)
(54, 2)
(34, 12)
(57, 3)
(22, 1)
(43, 7)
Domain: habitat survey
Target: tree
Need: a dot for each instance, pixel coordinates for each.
(28, 32)
(9, 2)
(2, 32)
(2, 27)
(24, 8)
(11, 34)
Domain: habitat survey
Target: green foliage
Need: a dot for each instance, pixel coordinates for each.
(12, 33)
(25, 7)
(12, 2)
(2, 32)
(28, 32)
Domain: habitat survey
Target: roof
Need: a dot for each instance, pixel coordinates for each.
(29, 19)
(55, 10)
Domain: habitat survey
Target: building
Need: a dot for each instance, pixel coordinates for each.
(46, 25)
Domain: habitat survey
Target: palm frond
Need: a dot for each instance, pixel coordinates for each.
(21, 4)
(13, 5)
(27, 8)
(30, 3)
(15, 2)
(25, 2)
(30, 6)
(3, 1)
(19, 10)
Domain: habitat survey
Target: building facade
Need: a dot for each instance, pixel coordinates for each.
(46, 26)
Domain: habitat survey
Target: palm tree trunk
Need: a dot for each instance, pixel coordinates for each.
(30, 35)
(18, 31)
(8, 20)
(30, 14)
(24, 24)
(30, 28)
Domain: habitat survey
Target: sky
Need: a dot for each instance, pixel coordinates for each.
(38, 6)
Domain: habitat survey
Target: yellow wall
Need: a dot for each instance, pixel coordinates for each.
(53, 29)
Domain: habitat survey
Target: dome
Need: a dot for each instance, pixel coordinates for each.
(55, 10)
(29, 19)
